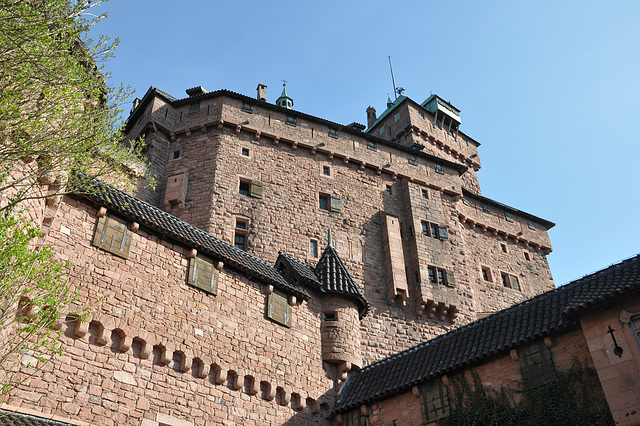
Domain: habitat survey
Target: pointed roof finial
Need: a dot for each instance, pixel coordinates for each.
(389, 101)
(284, 100)
(329, 243)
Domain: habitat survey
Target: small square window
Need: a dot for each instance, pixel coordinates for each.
(241, 224)
(508, 217)
(333, 132)
(421, 114)
(526, 256)
(425, 194)
(246, 107)
(396, 117)
(291, 121)
(439, 169)
(413, 160)
(425, 228)
(313, 248)
(503, 247)
(245, 187)
(531, 225)
(176, 155)
(381, 130)
(372, 146)
(486, 208)
(466, 201)
(323, 202)
(245, 152)
(194, 107)
(330, 316)
(388, 189)
(326, 170)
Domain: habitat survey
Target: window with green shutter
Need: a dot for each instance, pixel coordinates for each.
(202, 274)
(536, 365)
(278, 308)
(336, 204)
(256, 189)
(434, 397)
(113, 235)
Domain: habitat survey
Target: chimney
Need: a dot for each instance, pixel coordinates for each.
(262, 92)
(371, 116)
(196, 91)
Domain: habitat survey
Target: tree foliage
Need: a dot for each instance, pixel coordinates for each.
(57, 112)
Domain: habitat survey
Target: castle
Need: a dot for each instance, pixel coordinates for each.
(287, 270)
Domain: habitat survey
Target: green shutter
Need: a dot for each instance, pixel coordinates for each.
(336, 203)
(514, 282)
(444, 234)
(203, 275)
(113, 235)
(278, 308)
(256, 189)
(451, 279)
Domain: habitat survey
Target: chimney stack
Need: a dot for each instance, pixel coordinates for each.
(262, 92)
(371, 116)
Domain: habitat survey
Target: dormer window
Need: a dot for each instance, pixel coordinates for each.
(291, 121)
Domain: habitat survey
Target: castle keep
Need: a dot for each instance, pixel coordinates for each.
(279, 256)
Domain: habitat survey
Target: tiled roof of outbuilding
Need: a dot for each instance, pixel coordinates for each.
(554, 311)
(19, 419)
(335, 278)
(179, 230)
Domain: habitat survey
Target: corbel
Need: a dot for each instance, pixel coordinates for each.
(442, 312)
(292, 300)
(313, 150)
(235, 380)
(625, 316)
(331, 156)
(192, 253)
(430, 308)
(125, 343)
(269, 289)
(366, 411)
(134, 227)
(420, 309)
(345, 160)
(220, 124)
(294, 145)
(172, 136)
(257, 135)
(82, 327)
(271, 392)
(220, 374)
(238, 128)
(415, 391)
(219, 266)
(203, 128)
(514, 354)
(394, 176)
(379, 171)
(363, 165)
(203, 371)
(301, 403)
(445, 380)
(102, 211)
(286, 398)
(548, 342)
(188, 132)
(255, 386)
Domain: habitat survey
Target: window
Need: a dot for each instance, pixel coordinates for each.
(326, 170)
(536, 365)
(510, 281)
(291, 121)
(245, 152)
(278, 308)
(441, 276)
(194, 107)
(176, 155)
(526, 256)
(421, 114)
(381, 130)
(333, 132)
(113, 235)
(202, 274)
(503, 247)
(239, 241)
(507, 216)
(354, 418)
(413, 160)
(251, 188)
(439, 232)
(372, 146)
(396, 117)
(439, 169)
(486, 208)
(387, 189)
(486, 274)
(330, 203)
(466, 201)
(434, 401)
(240, 235)
(531, 225)
(246, 107)
(425, 194)
(313, 248)
(330, 316)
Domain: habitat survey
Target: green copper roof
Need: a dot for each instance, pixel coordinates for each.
(284, 100)
(390, 107)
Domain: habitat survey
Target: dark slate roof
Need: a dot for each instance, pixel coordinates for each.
(191, 236)
(537, 219)
(335, 278)
(18, 419)
(552, 312)
(300, 271)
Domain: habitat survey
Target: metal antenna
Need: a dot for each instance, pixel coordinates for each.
(392, 79)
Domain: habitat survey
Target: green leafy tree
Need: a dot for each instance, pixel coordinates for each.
(58, 117)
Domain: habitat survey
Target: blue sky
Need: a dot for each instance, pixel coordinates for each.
(551, 89)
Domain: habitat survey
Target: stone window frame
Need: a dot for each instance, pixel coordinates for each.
(531, 224)
(332, 132)
(536, 365)
(434, 230)
(240, 232)
(441, 276)
(425, 193)
(314, 251)
(246, 107)
(510, 281)
(329, 202)
(412, 159)
(326, 170)
(371, 145)
(421, 114)
(290, 120)
(176, 155)
(486, 208)
(434, 397)
(388, 189)
(486, 274)
(439, 168)
(466, 201)
(396, 117)
(381, 130)
(508, 216)
(354, 418)
(246, 149)
(526, 256)
(194, 107)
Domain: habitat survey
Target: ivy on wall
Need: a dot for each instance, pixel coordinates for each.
(574, 398)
